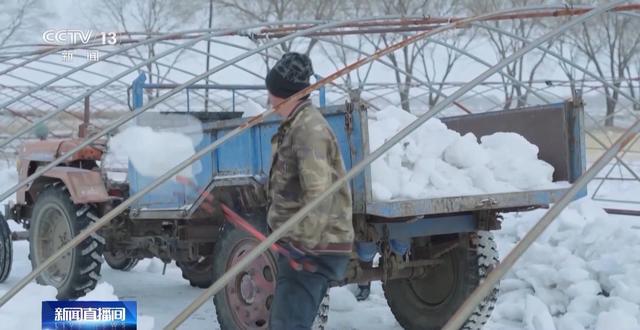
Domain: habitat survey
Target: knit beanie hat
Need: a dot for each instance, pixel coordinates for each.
(289, 75)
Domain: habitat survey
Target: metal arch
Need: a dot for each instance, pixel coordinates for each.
(489, 70)
(262, 246)
(156, 101)
(586, 72)
(183, 33)
(248, 49)
(93, 89)
(425, 83)
(448, 46)
(169, 174)
(111, 214)
(68, 78)
(184, 45)
(207, 33)
(562, 59)
(26, 117)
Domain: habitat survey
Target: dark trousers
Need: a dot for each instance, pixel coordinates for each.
(299, 293)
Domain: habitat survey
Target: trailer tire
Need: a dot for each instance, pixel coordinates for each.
(119, 261)
(429, 302)
(251, 289)
(198, 273)
(6, 249)
(77, 272)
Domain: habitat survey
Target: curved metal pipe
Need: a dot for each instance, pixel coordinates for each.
(285, 227)
(209, 34)
(121, 207)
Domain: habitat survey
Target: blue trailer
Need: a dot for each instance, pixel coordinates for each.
(431, 252)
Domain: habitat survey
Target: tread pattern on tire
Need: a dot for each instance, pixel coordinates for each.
(86, 271)
(6, 249)
(197, 279)
(486, 253)
(481, 255)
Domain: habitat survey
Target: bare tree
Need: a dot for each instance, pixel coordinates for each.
(504, 45)
(151, 16)
(251, 11)
(610, 45)
(565, 46)
(340, 55)
(19, 17)
(408, 57)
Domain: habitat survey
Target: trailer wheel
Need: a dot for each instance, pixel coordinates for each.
(429, 302)
(6, 249)
(54, 222)
(245, 303)
(198, 273)
(118, 260)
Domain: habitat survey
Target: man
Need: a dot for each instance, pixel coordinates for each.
(306, 160)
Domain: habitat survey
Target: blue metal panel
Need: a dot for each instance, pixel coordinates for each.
(577, 144)
(359, 147)
(236, 156)
(205, 175)
(266, 131)
(168, 195)
(457, 204)
(462, 223)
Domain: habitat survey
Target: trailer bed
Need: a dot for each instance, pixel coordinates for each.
(555, 128)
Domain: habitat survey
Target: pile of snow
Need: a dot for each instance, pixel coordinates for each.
(582, 273)
(435, 161)
(154, 152)
(24, 311)
(251, 108)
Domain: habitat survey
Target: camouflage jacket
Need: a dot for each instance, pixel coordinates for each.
(306, 160)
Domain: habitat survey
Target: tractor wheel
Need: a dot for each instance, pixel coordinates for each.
(118, 260)
(429, 302)
(55, 221)
(6, 249)
(198, 273)
(245, 303)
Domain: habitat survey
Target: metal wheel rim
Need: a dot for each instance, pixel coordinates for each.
(53, 231)
(250, 294)
(439, 285)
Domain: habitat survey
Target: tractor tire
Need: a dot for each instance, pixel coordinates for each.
(6, 249)
(428, 302)
(245, 303)
(119, 261)
(55, 221)
(198, 273)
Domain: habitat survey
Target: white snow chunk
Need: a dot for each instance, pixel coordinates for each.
(466, 152)
(617, 320)
(152, 152)
(434, 161)
(251, 108)
(342, 299)
(536, 315)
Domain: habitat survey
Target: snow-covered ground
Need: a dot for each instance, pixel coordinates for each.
(583, 274)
